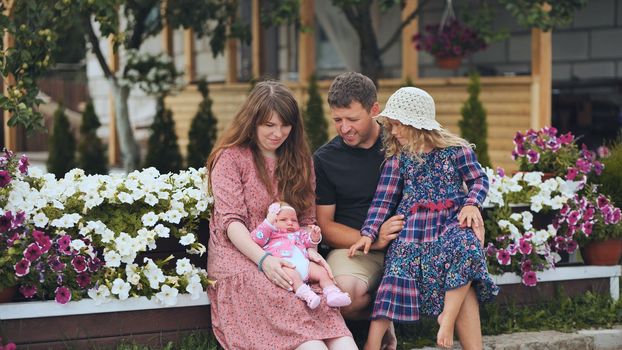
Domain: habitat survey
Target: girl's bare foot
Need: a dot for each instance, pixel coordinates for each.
(445, 336)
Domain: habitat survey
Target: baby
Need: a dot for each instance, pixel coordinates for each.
(280, 234)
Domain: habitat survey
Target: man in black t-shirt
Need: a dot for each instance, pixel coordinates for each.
(347, 171)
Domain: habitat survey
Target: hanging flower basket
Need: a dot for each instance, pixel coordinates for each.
(450, 63)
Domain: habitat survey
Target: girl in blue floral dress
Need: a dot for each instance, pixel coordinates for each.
(437, 257)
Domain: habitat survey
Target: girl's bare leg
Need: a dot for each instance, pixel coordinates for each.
(377, 329)
(468, 325)
(447, 319)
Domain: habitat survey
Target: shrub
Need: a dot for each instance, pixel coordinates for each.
(91, 152)
(61, 145)
(162, 148)
(473, 125)
(611, 177)
(203, 130)
(315, 123)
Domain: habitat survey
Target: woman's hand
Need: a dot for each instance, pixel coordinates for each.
(364, 243)
(470, 216)
(317, 258)
(273, 269)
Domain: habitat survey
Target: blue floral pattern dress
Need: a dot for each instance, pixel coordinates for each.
(432, 254)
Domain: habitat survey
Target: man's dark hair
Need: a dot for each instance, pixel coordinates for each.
(352, 87)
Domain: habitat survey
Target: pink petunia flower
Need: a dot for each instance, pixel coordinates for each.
(503, 257)
(603, 152)
(587, 227)
(28, 291)
(6, 221)
(571, 246)
(602, 201)
(79, 264)
(524, 246)
(571, 174)
(530, 279)
(63, 295)
(566, 139)
(55, 263)
(500, 171)
(63, 244)
(573, 217)
(22, 268)
(42, 240)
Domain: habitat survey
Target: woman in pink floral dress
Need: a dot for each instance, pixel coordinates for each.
(261, 158)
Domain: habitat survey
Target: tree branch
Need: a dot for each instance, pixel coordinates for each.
(96, 49)
(398, 32)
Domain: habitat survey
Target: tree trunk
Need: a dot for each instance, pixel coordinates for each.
(130, 153)
(359, 17)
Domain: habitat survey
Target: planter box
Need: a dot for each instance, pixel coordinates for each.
(82, 324)
(575, 280)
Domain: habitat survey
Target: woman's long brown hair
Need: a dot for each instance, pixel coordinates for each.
(293, 170)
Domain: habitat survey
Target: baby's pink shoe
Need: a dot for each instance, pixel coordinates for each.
(335, 297)
(305, 293)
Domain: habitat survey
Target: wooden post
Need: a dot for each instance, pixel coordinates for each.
(114, 153)
(167, 40)
(306, 42)
(256, 39)
(410, 57)
(10, 133)
(189, 61)
(541, 71)
(232, 61)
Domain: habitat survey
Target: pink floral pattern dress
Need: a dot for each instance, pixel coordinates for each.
(248, 310)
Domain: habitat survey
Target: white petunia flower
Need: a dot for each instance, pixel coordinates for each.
(121, 288)
(125, 197)
(187, 239)
(183, 266)
(101, 295)
(162, 231)
(112, 259)
(77, 244)
(40, 220)
(168, 295)
(149, 219)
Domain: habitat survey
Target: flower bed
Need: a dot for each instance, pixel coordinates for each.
(88, 235)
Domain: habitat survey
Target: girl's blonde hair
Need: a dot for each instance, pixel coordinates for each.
(418, 139)
(293, 170)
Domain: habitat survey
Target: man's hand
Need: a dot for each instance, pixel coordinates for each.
(470, 216)
(364, 243)
(389, 231)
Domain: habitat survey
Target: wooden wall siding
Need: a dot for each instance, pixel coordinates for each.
(146, 327)
(508, 101)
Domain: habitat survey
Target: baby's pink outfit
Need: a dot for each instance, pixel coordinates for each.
(292, 246)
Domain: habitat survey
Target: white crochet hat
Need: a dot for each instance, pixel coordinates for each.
(411, 106)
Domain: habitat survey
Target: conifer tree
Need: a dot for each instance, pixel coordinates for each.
(315, 123)
(61, 145)
(91, 152)
(473, 126)
(202, 134)
(162, 148)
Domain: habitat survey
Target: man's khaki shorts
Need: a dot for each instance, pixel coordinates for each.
(367, 268)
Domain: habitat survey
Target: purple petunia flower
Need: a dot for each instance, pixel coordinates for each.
(83, 280)
(526, 266)
(530, 279)
(533, 156)
(23, 164)
(602, 202)
(28, 291)
(572, 246)
(598, 167)
(94, 264)
(6, 221)
(55, 263)
(32, 252)
(503, 257)
(500, 171)
(5, 178)
(22, 268)
(78, 263)
(42, 240)
(63, 295)
(63, 244)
